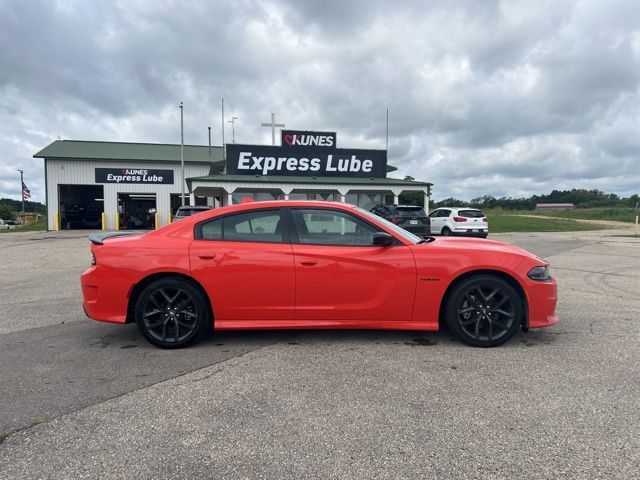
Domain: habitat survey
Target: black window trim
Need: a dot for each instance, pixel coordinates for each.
(286, 237)
(296, 240)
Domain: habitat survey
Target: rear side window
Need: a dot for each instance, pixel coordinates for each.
(471, 213)
(259, 226)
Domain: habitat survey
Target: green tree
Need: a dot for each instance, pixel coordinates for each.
(6, 213)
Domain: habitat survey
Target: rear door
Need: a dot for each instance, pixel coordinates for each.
(342, 277)
(245, 263)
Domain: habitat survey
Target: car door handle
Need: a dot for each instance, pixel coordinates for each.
(207, 256)
(308, 262)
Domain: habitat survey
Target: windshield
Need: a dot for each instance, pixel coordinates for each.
(400, 231)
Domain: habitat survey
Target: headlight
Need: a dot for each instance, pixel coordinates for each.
(93, 258)
(539, 274)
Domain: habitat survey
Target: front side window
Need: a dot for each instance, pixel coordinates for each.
(257, 226)
(331, 227)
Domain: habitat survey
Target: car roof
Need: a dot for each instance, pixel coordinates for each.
(458, 208)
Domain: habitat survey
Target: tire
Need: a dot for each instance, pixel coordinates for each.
(172, 313)
(484, 311)
(445, 232)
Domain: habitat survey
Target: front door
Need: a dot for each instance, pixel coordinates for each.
(245, 263)
(342, 277)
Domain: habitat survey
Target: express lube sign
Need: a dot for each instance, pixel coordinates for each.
(134, 175)
(306, 153)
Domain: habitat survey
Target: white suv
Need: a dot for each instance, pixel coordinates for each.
(469, 222)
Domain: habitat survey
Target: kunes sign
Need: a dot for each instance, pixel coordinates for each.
(302, 153)
(133, 175)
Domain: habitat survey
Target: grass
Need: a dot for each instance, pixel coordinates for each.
(36, 227)
(501, 221)
(615, 214)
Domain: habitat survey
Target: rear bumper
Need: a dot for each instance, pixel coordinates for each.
(104, 298)
(470, 233)
(543, 298)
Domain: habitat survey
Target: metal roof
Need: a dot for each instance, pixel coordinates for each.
(300, 179)
(156, 152)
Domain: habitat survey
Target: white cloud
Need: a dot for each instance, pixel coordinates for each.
(502, 98)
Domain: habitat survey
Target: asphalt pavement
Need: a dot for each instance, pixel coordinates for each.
(82, 399)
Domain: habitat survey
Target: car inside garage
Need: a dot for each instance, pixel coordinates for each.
(81, 206)
(137, 211)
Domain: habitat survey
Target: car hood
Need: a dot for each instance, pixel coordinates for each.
(479, 244)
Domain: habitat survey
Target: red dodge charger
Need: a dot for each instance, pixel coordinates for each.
(294, 264)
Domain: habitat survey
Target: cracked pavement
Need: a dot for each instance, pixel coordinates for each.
(81, 399)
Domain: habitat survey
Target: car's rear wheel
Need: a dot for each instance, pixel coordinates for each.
(172, 313)
(484, 311)
(445, 231)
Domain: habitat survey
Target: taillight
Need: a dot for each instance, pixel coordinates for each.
(459, 219)
(395, 220)
(485, 219)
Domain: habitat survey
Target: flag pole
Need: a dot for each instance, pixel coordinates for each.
(182, 151)
(22, 192)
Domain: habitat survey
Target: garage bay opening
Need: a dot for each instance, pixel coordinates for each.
(81, 206)
(137, 211)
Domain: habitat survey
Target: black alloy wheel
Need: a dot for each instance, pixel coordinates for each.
(172, 313)
(484, 311)
(445, 232)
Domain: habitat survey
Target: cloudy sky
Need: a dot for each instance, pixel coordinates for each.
(507, 98)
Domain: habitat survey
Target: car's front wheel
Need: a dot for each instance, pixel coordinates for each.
(484, 311)
(172, 313)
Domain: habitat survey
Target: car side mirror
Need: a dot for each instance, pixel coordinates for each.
(382, 239)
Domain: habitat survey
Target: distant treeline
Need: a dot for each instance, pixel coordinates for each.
(29, 206)
(581, 198)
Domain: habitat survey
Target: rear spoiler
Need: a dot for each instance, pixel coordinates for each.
(99, 238)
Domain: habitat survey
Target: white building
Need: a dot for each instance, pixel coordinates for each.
(116, 185)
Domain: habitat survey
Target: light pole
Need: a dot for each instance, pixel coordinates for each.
(233, 128)
(182, 152)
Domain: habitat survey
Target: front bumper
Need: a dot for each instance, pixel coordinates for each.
(542, 300)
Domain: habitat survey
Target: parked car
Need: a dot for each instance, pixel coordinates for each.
(468, 222)
(301, 264)
(187, 211)
(410, 217)
(3, 225)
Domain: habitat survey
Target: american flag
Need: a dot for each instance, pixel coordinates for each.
(26, 194)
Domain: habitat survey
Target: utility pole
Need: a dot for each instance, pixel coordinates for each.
(273, 126)
(209, 141)
(22, 193)
(233, 128)
(182, 151)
